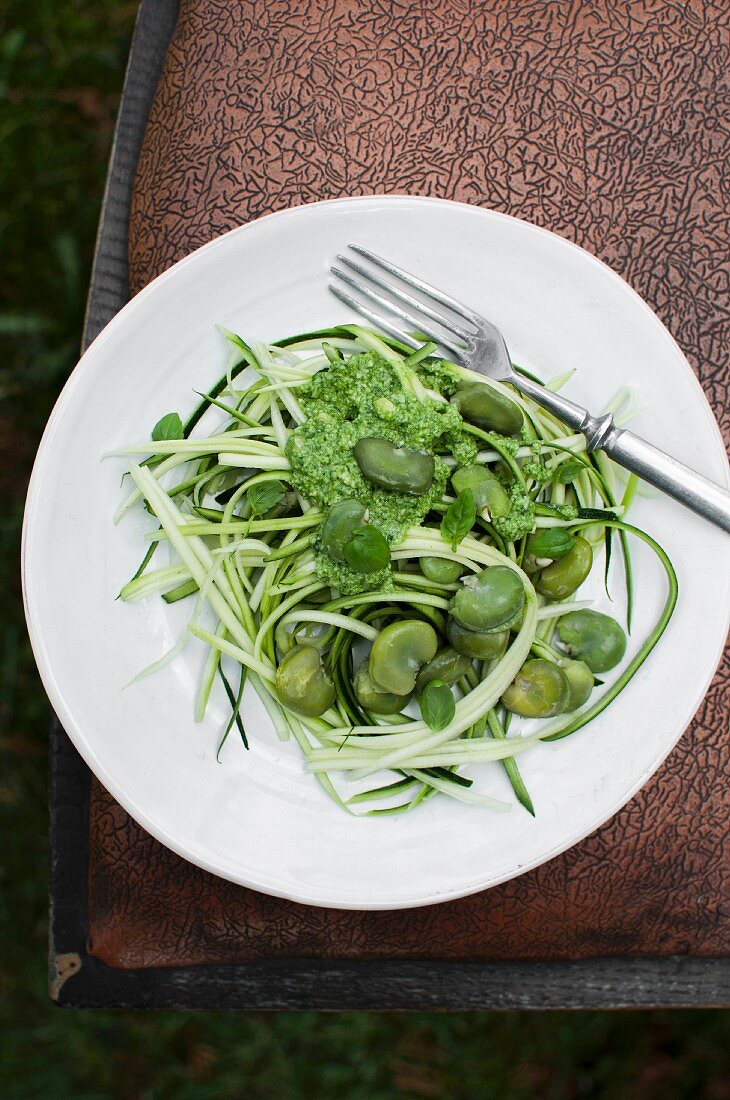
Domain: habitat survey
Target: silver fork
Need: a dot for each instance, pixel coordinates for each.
(476, 343)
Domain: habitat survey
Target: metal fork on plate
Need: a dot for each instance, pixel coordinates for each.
(474, 342)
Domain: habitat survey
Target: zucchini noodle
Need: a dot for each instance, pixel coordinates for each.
(248, 512)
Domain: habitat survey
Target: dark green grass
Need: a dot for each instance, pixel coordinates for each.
(61, 66)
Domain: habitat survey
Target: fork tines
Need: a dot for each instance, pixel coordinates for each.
(399, 302)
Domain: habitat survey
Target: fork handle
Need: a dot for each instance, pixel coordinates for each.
(633, 453)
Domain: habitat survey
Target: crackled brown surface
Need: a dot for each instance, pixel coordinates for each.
(605, 122)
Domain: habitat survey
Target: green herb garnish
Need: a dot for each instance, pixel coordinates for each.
(168, 427)
(437, 705)
(459, 519)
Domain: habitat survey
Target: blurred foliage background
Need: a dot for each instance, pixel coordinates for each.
(61, 69)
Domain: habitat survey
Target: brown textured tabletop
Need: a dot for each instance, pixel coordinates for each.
(605, 122)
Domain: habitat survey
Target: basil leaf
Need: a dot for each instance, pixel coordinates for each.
(551, 542)
(568, 471)
(367, 550)
(459, 518)
(264, 496)
(437, 705)
(169, 427)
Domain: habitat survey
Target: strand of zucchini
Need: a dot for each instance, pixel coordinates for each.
(270, 611)
(237, 576)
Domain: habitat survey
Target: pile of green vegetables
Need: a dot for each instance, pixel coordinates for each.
(390, 546)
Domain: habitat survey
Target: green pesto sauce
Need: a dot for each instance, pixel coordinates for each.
(340, 576)
(521, 518)
(537, 470)
(508, 443)
(437, 374)
(363, 396)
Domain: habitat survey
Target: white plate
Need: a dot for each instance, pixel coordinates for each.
(257, 818)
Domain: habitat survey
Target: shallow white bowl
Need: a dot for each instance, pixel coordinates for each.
(256, 818)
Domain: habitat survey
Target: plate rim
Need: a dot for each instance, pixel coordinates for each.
(55, 692)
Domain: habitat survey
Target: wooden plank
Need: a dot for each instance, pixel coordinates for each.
(298, 985)
(109, 290)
